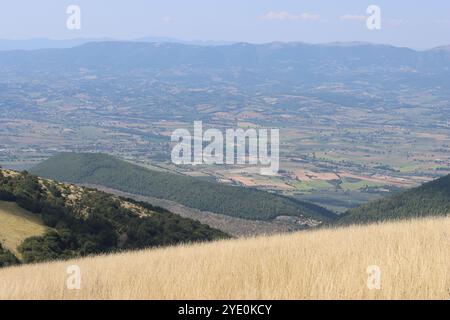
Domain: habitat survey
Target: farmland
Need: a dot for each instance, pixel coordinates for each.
(357, 140)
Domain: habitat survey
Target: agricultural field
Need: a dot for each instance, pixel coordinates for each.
(389, 135)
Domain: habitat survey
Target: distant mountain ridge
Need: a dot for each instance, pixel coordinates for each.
(161, 54)
(46, 43)
(241, 202)
(243, 64)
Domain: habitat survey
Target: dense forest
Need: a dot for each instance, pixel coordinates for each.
(85, 221)
(430, 199)
(234, 201)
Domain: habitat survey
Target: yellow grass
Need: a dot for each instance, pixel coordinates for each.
(413, 256)
(17, 224)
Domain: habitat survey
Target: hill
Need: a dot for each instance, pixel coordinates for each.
(319, 264)
(81, 221)
(108, 171)
(430, 199)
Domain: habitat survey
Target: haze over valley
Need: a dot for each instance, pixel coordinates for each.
(358, 121)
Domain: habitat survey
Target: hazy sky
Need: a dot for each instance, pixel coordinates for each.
(413, 23)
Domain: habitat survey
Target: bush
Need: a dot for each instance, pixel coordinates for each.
(7, 258)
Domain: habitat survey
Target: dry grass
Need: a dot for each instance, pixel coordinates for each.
(414, 257)
(17, 224)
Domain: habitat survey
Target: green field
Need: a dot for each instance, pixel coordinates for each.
(356, 184)
(314, 185)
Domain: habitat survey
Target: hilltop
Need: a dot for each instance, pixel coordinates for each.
(46, 220)
(430, 199)
(240, 202)
(319, 264)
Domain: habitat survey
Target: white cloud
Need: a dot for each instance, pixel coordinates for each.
(284, 15)
(353, 17)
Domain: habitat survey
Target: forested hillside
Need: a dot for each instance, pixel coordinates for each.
(85, 221)
(430, 199)
(234, 201)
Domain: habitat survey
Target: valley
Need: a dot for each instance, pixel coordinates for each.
(236, 227)
(221, 159)
(363, 180)
(345, 140)
(106, 204)
(193, 192)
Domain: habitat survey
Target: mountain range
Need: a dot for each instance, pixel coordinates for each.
(46, 43)
(293, 63)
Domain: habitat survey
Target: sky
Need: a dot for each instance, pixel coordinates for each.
(411, 23)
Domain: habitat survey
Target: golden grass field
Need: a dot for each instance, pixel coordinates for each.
(16, 225)
(413, 256)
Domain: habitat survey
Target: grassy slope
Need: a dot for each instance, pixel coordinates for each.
(117, 174)
(17, 224)
(84, 221)
(430, 199)
(413, 256)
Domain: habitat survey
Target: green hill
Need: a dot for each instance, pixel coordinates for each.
(46, 220)
(234, 201)
(430, 199)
